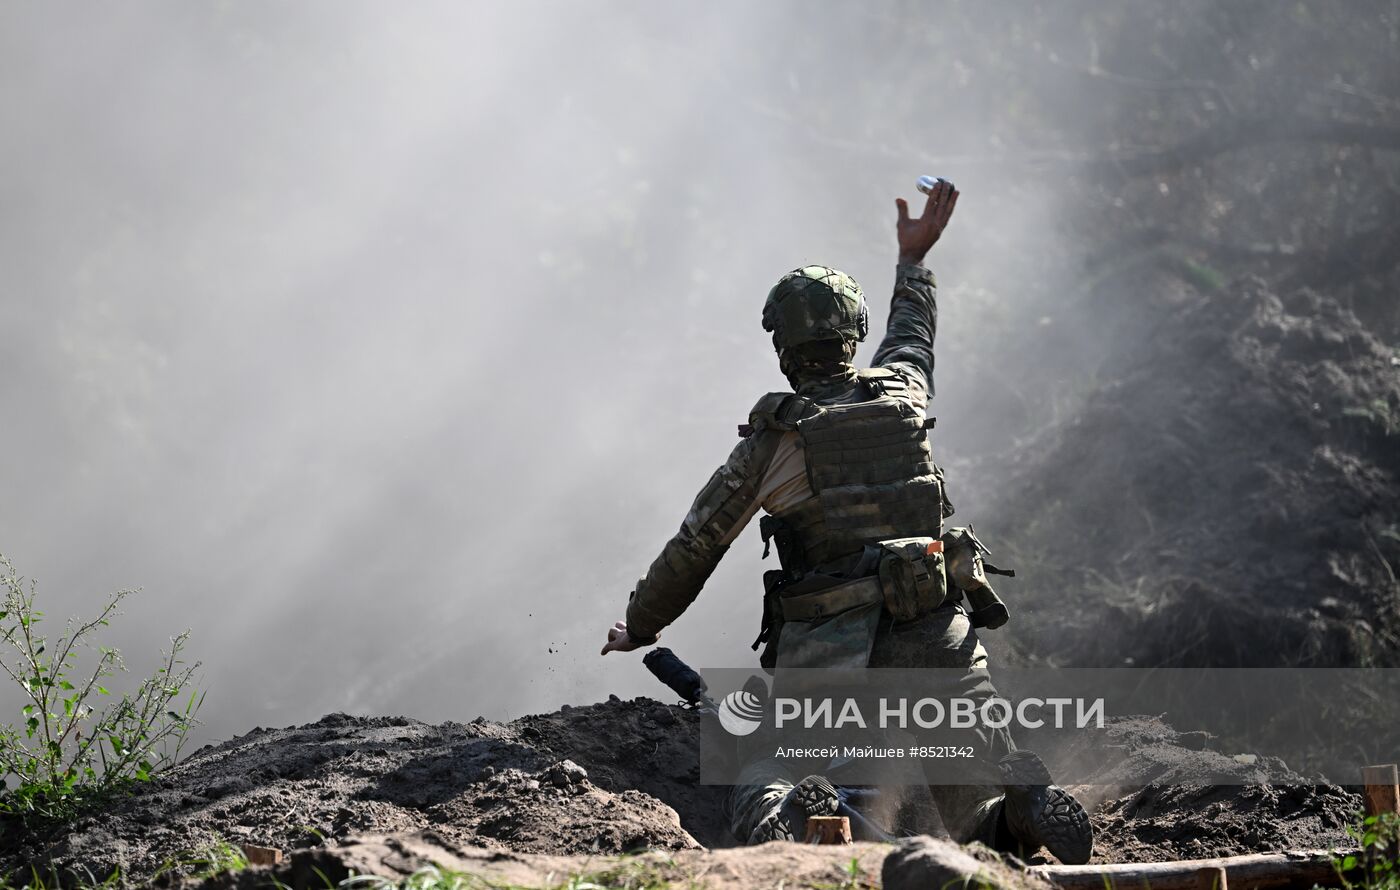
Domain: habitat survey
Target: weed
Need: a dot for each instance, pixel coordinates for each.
(854, 880)
(218, 858)
(1376, 866)
(429, 878)
(635, 874)
(67, 753)
(33, 880)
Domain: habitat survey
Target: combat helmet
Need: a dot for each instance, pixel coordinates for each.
(815, 303)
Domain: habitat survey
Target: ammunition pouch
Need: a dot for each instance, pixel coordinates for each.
(828, 621)
(830, 601)
(831, 619)
(967, 573)
(911, 576)
(905, 575)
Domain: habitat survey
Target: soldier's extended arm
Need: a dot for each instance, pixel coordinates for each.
(721, 510)
(908, 343)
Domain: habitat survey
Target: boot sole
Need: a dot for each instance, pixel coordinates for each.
(1059, 823)
(771, 828)
(817, 796)
(814, 795)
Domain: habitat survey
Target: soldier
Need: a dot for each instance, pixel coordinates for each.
(855, 504)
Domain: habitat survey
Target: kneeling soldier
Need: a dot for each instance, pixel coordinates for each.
(855, 505)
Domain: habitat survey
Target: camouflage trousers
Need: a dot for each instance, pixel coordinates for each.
(970, 810)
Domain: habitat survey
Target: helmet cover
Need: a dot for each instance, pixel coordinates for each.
(815, 303)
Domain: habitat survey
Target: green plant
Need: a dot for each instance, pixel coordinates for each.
(67, 753)
(1376, 866)
(218, 858)
(624, 875)
(428, 878)
(651, 873)
(854, 880)
(853, 875)
(34, 880)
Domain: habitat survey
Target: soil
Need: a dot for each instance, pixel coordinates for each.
(771, 865)
(1232, 499)
(1166, 795)
(610, 778)
(498, 786)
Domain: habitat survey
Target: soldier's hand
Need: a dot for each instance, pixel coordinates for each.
(916, 236)
(620, 641)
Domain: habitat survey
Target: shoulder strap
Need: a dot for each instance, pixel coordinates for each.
(775, 411)
(884, 381)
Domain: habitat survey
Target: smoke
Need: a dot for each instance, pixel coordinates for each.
(385, 348)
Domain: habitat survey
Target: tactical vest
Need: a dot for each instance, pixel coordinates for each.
(870, 469)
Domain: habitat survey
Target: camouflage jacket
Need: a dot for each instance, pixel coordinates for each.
(766, 471)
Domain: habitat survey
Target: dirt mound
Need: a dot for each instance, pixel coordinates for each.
(1165, 822)
(609, 778)
(491, 785)
(1163, 795)
(1231, 498)
(639, 745)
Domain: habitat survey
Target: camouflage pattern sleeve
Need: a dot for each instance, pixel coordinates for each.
(908, 343)
(721, 510)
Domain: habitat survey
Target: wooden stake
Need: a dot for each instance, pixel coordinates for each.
(1382, 789)
(262, 855)
(828, 830)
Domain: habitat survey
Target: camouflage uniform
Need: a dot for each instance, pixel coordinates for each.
(769, 470)
(970, 810)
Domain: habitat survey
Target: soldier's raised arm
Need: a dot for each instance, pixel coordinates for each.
(908, 342)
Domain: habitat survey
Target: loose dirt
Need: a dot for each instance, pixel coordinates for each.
(1230, 498)
(605, 779)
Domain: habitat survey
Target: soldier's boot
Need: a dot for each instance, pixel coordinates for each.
(787, 821)
(1040, 813)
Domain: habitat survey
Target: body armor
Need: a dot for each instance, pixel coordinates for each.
(868, 539)
(872, 474)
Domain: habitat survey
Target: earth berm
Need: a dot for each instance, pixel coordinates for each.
(549, 798)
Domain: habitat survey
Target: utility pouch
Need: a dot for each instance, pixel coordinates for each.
(912, 577)
(967, 573)
(964, 554)
(828, 622)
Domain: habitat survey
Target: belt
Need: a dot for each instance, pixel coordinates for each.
(832, 601)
